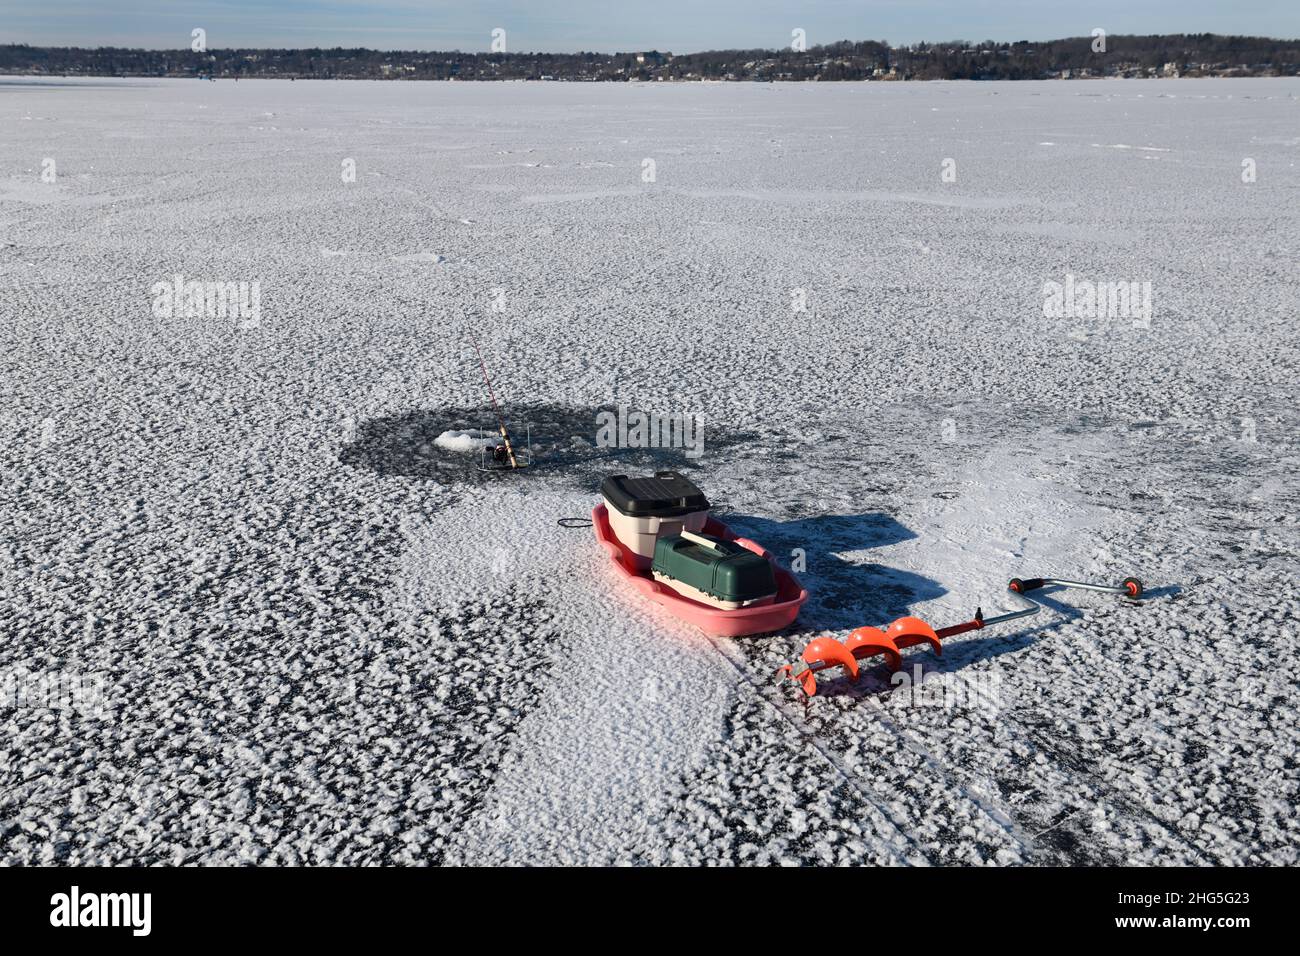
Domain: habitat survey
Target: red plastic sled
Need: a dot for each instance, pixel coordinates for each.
(757, 619)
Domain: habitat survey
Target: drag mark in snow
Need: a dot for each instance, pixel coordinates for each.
(1144, 149)
(790, 196)
(1075, 765)
(995, 813)
(435, 258)
(629, 706)
(900, 843)
(999, 817)
(1010, 504)
(865, 195)
(533, 199)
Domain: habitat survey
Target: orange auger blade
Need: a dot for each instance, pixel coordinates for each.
(864, 642)
(867, 641)
(910, 631)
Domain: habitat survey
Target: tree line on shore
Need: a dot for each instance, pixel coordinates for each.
(1079, 57)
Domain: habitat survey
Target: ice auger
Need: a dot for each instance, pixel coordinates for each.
(827, 652)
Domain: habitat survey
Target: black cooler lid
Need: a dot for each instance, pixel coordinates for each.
(664, 495)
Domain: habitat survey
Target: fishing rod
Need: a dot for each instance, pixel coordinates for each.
(501, 422)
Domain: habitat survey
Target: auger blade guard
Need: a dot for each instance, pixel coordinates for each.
(910, 631)
(808, 681)
(869, 641)
(829, 652)
(807, 678)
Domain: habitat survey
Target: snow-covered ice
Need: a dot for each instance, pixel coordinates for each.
(302, 627)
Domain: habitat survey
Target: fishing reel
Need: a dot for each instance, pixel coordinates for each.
(503, 454)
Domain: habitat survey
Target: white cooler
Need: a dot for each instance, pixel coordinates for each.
(641, 510)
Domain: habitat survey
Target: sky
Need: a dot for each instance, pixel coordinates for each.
(679, 26)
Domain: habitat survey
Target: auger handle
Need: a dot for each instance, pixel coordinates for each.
(1129, 587)
(1032, 584)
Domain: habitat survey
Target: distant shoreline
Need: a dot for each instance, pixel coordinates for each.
(1092, 57)
(699, 81)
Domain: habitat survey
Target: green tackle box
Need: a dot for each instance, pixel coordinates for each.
(721, 571)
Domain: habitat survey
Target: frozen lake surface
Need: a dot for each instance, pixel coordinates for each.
(299, 627)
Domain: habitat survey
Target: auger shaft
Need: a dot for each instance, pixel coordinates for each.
(1019, 591)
